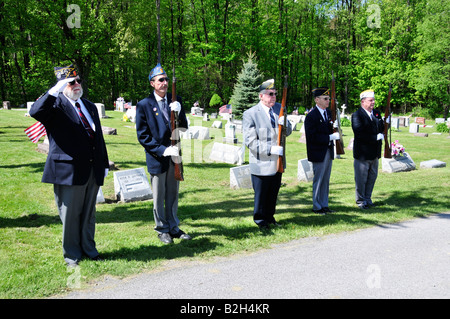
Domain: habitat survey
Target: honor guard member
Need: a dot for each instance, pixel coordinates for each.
(154, 133)
(77, 161)
(260, 126)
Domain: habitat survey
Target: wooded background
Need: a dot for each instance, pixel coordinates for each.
(368, 44)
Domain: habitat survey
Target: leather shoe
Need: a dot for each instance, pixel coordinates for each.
(165, 238)
(182, 235)
(327, 210)
(319, 211)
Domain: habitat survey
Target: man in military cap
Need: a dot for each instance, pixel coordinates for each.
(368, 127)
(77, 162)
(320, 148)
(154, 133)
(260, 126)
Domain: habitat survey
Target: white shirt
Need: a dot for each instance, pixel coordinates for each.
(83, 109)
(322, 112)
(267, 109)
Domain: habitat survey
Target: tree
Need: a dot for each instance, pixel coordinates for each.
(245, 93)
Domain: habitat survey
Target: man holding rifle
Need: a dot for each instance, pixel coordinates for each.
(154, 133)
(320, 147)
(260, 126)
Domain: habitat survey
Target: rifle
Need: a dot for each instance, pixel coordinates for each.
(281, 163)
(387, 127)
(175, 137)
(334, 117)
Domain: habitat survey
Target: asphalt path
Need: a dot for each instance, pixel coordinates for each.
(408, 260)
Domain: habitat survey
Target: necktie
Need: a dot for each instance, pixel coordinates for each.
(164, 109)
(272, 118)
(325, 116)
(85, 122)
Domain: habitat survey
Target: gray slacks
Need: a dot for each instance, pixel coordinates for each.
(321, 181)
(76, 206)
(165, 201)
(366, 172)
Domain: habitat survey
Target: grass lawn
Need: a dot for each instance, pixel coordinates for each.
(218, 218)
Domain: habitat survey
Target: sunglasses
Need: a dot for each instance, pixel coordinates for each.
(163, 79)
(272, 94)
(76, 80)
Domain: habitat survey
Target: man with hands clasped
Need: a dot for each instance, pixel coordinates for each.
(154, 133)
(77, 161)
(367, 126)
(320, 147)
(260, 126)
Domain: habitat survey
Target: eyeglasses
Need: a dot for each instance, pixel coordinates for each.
(163, 79)
(325, 98)
(272, 94)
(76, 80)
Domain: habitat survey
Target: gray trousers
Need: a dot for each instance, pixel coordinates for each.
(165, 201)
(76, 206)
(366, 173)
(321, 181)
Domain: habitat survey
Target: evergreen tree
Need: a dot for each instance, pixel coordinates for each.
(245, 92)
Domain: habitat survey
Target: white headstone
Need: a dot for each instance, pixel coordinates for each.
(434, 163)
(227, 153)
(398, 164)
(230, 133)
(240, 177)
(132, 185)
(217, 124)
(100, 110)
(414, 128)
(305, 171)
(395, 123)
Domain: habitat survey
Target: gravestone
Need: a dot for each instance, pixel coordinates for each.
(240, 177)
(414, 128)
(395, 123)
(421, 134)
(206, 117)
(196, 132)
(439, 120)
(227, 153)
(230, 133)
(132, 185)
(217, 124)
(305, 171)
(238, 124)
(434, 163)
(100, 110)
(7, 105)
(398, 164)
(119, 104)
(420, 120)
(109, 130)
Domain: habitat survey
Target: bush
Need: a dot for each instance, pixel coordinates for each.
(345, 122)
(442, 127)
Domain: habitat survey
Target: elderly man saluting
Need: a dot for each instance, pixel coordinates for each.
(77, 162)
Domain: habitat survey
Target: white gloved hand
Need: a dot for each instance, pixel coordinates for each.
(171, 151)
(277, 150)
(388, 120)
(380, 136)
(175, 106)
(59, 87)
(281, 120)
(106, 172)
(334, 136)
(335, 124)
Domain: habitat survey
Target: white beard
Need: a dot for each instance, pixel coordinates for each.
(72, 95)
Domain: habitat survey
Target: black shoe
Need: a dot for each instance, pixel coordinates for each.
(327, 210)
(98, 258)
(319, 211)
(363, 206)
(165, 238)
(264, 228)
(276, 224)
(182, 235)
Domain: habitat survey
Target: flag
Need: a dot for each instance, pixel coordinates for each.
(35, 132)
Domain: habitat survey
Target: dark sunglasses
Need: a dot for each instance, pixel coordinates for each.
(163, 79)
(272, 94)
(76, 80)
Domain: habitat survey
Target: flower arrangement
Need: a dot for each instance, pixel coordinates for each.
(397, 149)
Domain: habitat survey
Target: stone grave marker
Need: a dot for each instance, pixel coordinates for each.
(217, 124)
(101, 110)
(227, 153)
(305, 171)
(414, 128)
(132, 185)
(230, 133)
(240, 177)
(434, 163)
(398, 164)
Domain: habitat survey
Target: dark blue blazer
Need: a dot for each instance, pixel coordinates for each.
(153, 132)
(71, 153)
(365, 145)
(317, 133)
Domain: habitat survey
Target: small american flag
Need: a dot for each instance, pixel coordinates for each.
(35, 132)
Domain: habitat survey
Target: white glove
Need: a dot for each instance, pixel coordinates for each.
(106, 172)
(281, 120)
(380, 136)
(334, 136)
(388, 120)
(335, 124)
(171, 151)
(59, 87)
(175, 106)
(277, 150)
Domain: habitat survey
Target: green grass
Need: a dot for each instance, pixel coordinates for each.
(218, 218)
